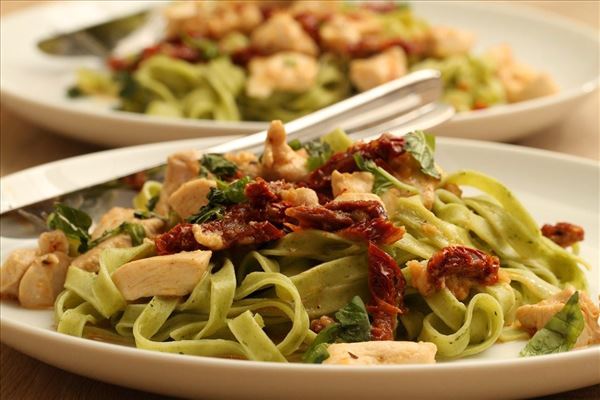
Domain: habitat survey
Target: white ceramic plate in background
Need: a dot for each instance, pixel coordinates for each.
(544, 181)
(33, 84)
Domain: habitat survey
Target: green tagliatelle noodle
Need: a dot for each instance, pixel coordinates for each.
(258, 304)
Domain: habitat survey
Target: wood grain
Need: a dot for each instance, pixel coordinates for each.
(24, 145)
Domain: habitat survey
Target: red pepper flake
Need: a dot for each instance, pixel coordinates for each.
(563, 234)
(386, 284)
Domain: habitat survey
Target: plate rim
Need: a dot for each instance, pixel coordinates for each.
(541, 16)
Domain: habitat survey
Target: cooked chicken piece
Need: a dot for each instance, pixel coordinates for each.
(419, 279)
(279, 160)
(343, 32)
(534, 317)
(408, 170)
(283, 33)
(90, 261)
(211, 18)
(53, 241)
(112, 219)
(181, 167)
(450, 41)
(286, 71)
(43, 280)
(381, 352)
(190, 196)
(356, 182)
(12, 271)
(352, 196)
(117, 215)
(172, 275)
(246, 161)
(374, 71)
(300, 197)
(208, 239)
(316, 8)
(521, 82)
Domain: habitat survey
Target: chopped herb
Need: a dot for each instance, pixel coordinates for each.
(560, 333)
(422, 146)
(318, 154)
(208, 48)
(218, 198)
(152, 203)
(74, 92)
(76, 224)
(218, 165)
(129, 87)
(353, 326)
(383, 179)
(354, 320)
(295, 144)
(73, 222)
(136, 232)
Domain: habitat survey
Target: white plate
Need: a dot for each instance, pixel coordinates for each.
(33, 84)
(554, 187)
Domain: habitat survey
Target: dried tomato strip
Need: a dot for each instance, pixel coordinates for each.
(386, 285)
(563, 234)
(463, 263)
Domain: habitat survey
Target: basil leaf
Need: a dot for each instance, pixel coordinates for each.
(353, 326)
(560, 333)
(136, 232)
(218, 165)
(73, 222)
(318, 154)
(295, 144)
(354, 320)
(421, 146)
(315, 352)
(383, 179)
(218, 198)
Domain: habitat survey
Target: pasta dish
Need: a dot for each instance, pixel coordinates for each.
(330, 251)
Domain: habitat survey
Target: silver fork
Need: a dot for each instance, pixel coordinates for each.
(400, 106)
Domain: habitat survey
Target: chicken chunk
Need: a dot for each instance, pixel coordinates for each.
(450, 41)
(340, 33)
(171, 275)
(117, 215)
(381, 352)
(90, 260)
(374, 71)
(246, 161)
(534, 317)
(521, 82)
(12, 271)
(283, 33)
(286, 71)
(356, 182)
(319, 9)
(191, 196)
(300, 197)
(209, 239)
(352, 196)
(279, 160)
(43, 280)
(212, 18)
(53, 241)
(181, 167)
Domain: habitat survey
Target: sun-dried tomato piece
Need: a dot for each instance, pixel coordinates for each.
(135, 181)
(259, 193)
(310, 23)
(179, 238)
(386, 285)
(563, 234)
(381, 150)
(318, 217)
(463, 263)
(379, 230)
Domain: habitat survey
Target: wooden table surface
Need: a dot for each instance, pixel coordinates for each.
(24, 145)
